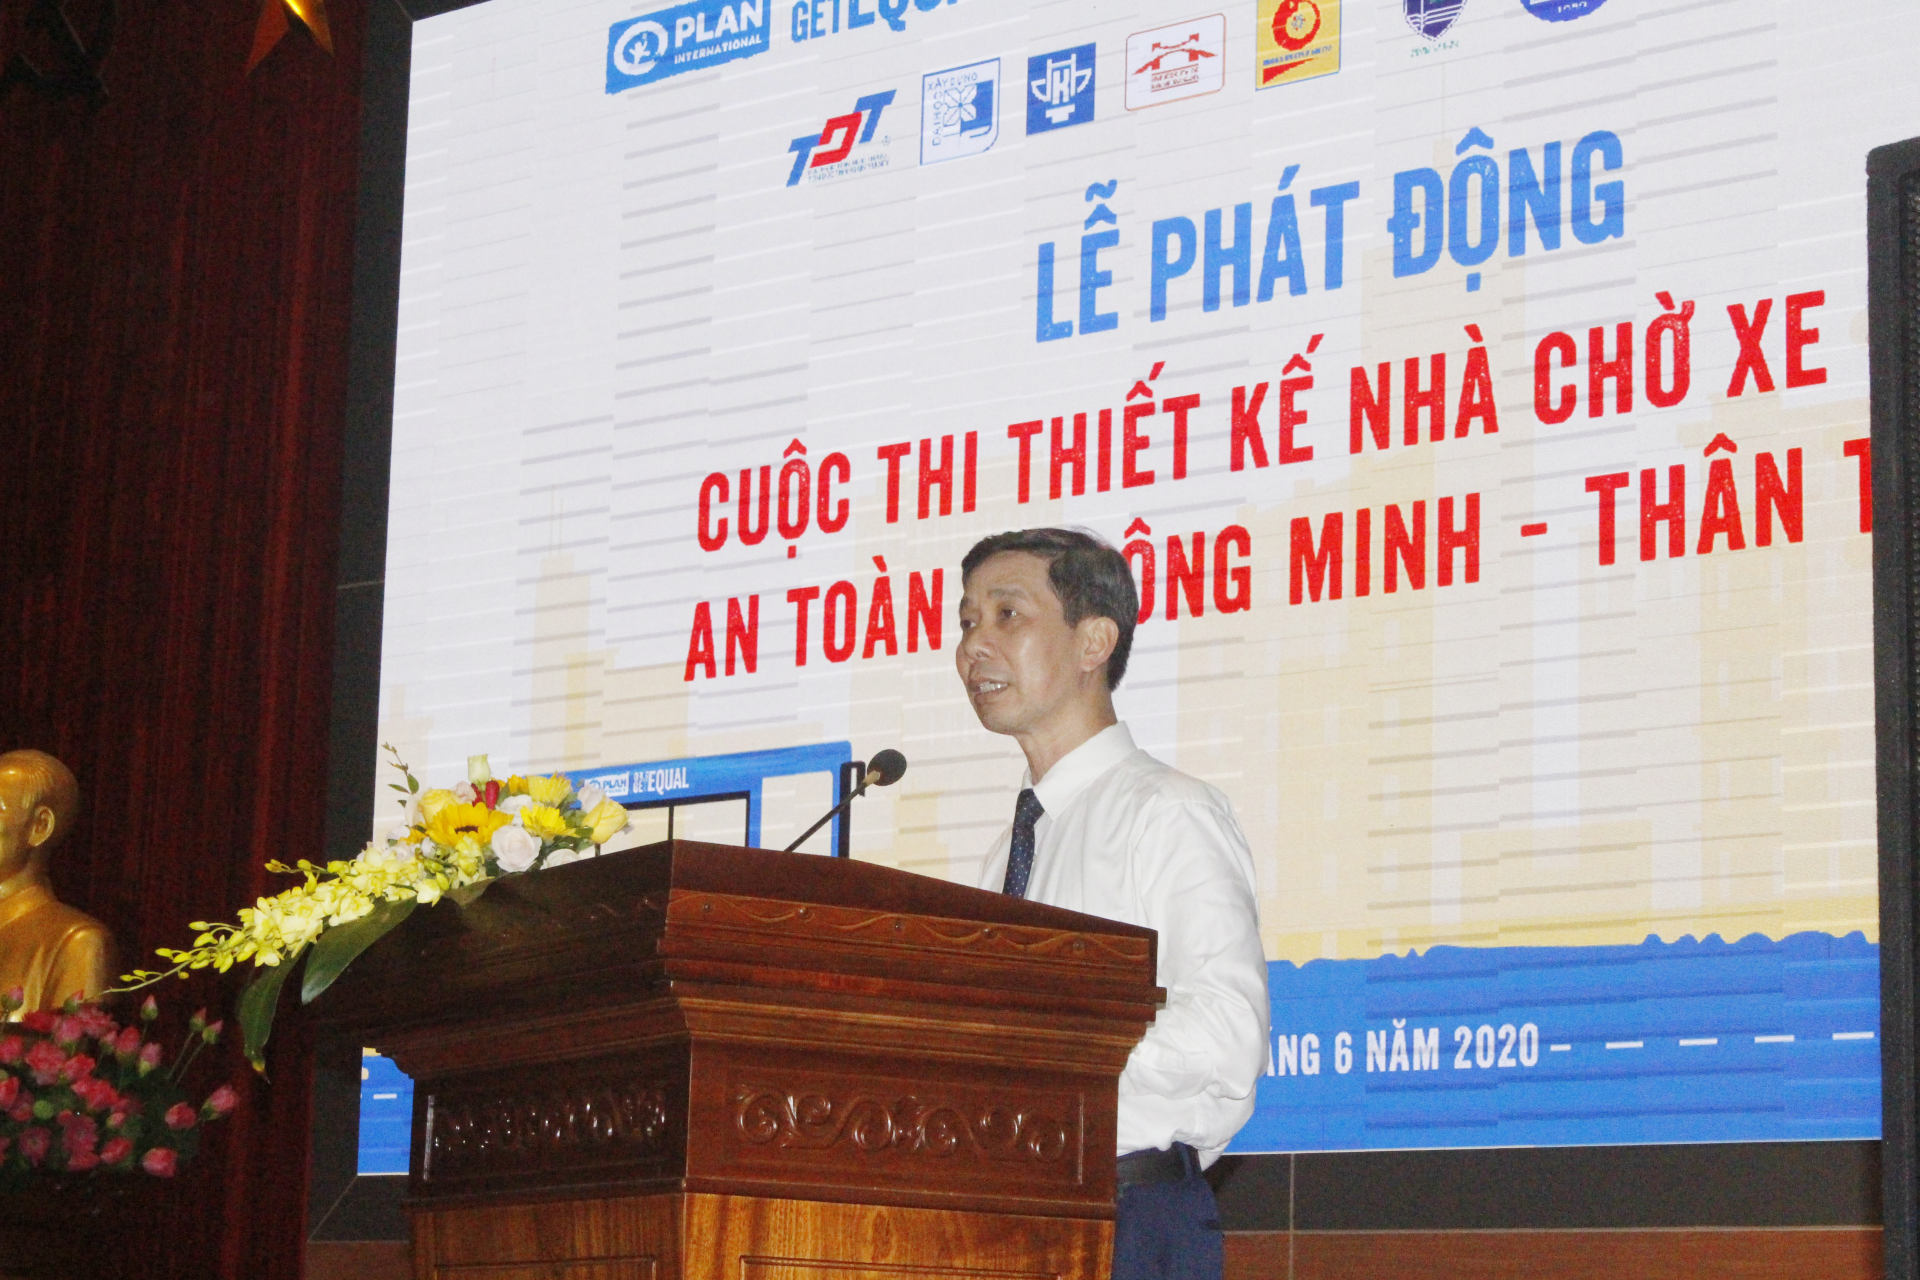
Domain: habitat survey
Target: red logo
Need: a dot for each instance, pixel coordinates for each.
(1295, 23)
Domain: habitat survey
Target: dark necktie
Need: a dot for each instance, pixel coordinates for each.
(1026, 812)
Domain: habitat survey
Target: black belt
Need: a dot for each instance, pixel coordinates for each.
(1176, 1164)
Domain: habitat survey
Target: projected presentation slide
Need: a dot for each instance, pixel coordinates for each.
(1477, 389)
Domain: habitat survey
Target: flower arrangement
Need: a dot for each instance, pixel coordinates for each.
(452, 843)
(79, 1092)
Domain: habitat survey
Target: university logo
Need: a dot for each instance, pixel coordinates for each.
(1561, 10)
(1060, 89)
(959, 111)
(849, 144)
(1300, 39)
(1431, 18)
(687, 37)
(1185, 60)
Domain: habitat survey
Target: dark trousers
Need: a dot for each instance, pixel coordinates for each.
(1168, 1231)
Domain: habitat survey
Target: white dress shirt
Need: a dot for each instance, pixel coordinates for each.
(1127, 838)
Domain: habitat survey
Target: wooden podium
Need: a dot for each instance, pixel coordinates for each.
(696, 1062)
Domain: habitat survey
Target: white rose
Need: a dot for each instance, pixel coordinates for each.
(514, 804)
(591, 795)
(515, 848)
(465, 793)
(561, 857)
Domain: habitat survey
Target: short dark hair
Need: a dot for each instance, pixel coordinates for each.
(1090, 577)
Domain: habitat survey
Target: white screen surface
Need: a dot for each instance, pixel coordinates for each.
(1530, 749)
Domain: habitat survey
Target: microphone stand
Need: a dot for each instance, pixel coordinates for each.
(865, 778)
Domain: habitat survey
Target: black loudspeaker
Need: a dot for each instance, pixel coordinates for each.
(1893, 313)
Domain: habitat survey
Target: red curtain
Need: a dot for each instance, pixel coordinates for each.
(175, 269)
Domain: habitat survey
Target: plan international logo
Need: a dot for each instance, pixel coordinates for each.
(1060, 89)
(959, 111)
(1185, 60)
(687, 37)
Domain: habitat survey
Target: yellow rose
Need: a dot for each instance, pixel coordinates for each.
(550, 791)
(608, 819)
(543, 821)
(432, 802)
(473, 821)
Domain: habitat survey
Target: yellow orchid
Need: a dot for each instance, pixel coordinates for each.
(545, 822)
(456, 821)
(552, 792)
(608, 819)
(445, 846)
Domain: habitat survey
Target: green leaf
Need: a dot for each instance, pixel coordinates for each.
(338, 947)
(256, 1007)
(467, 895)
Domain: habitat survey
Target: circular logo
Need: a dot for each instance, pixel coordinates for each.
(1561, 10)
(639, 47)
(1295, 23)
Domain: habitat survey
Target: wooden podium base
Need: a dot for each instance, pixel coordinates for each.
(693, 1062)
(681, 1236)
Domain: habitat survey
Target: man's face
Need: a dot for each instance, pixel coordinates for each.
(1023, 666)
(20, 833)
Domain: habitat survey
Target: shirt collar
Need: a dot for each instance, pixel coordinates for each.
(1074, 772)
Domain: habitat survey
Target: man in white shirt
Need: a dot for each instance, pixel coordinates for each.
(1046, 622)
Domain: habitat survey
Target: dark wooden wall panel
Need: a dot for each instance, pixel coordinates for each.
(175, 282)
(1838, 1253)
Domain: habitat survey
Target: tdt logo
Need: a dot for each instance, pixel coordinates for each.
(1060, 89)
(835, 143)
(687, 37)
(959, 111)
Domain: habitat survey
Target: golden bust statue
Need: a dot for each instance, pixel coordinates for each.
(47, 949)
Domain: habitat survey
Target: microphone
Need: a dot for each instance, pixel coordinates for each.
(886, 768)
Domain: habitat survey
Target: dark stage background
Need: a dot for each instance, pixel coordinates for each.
(175, 286)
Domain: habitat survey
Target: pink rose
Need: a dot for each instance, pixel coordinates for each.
(149, 1009)
(96, 1093)
(160, 1162)
(13, 999)
(83, 1160)
(181, 1116)
(35, 1142)
(100, 1025)
(149, 1056)
(220, 1102)
(79, 1135)
(78, 1067)
(39, 1022)
(116, 1151)
(127, 1043)
(68, 1029)
(9, 1092)
(12, 1049)
(45, 1060)
(22, 1111)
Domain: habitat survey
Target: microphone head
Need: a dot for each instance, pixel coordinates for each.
(886, 768)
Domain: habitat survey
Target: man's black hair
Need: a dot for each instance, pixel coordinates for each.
(1090, 577)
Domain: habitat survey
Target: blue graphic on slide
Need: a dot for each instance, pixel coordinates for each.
(386, 1115)
(1688, 1041)
(742, 774)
